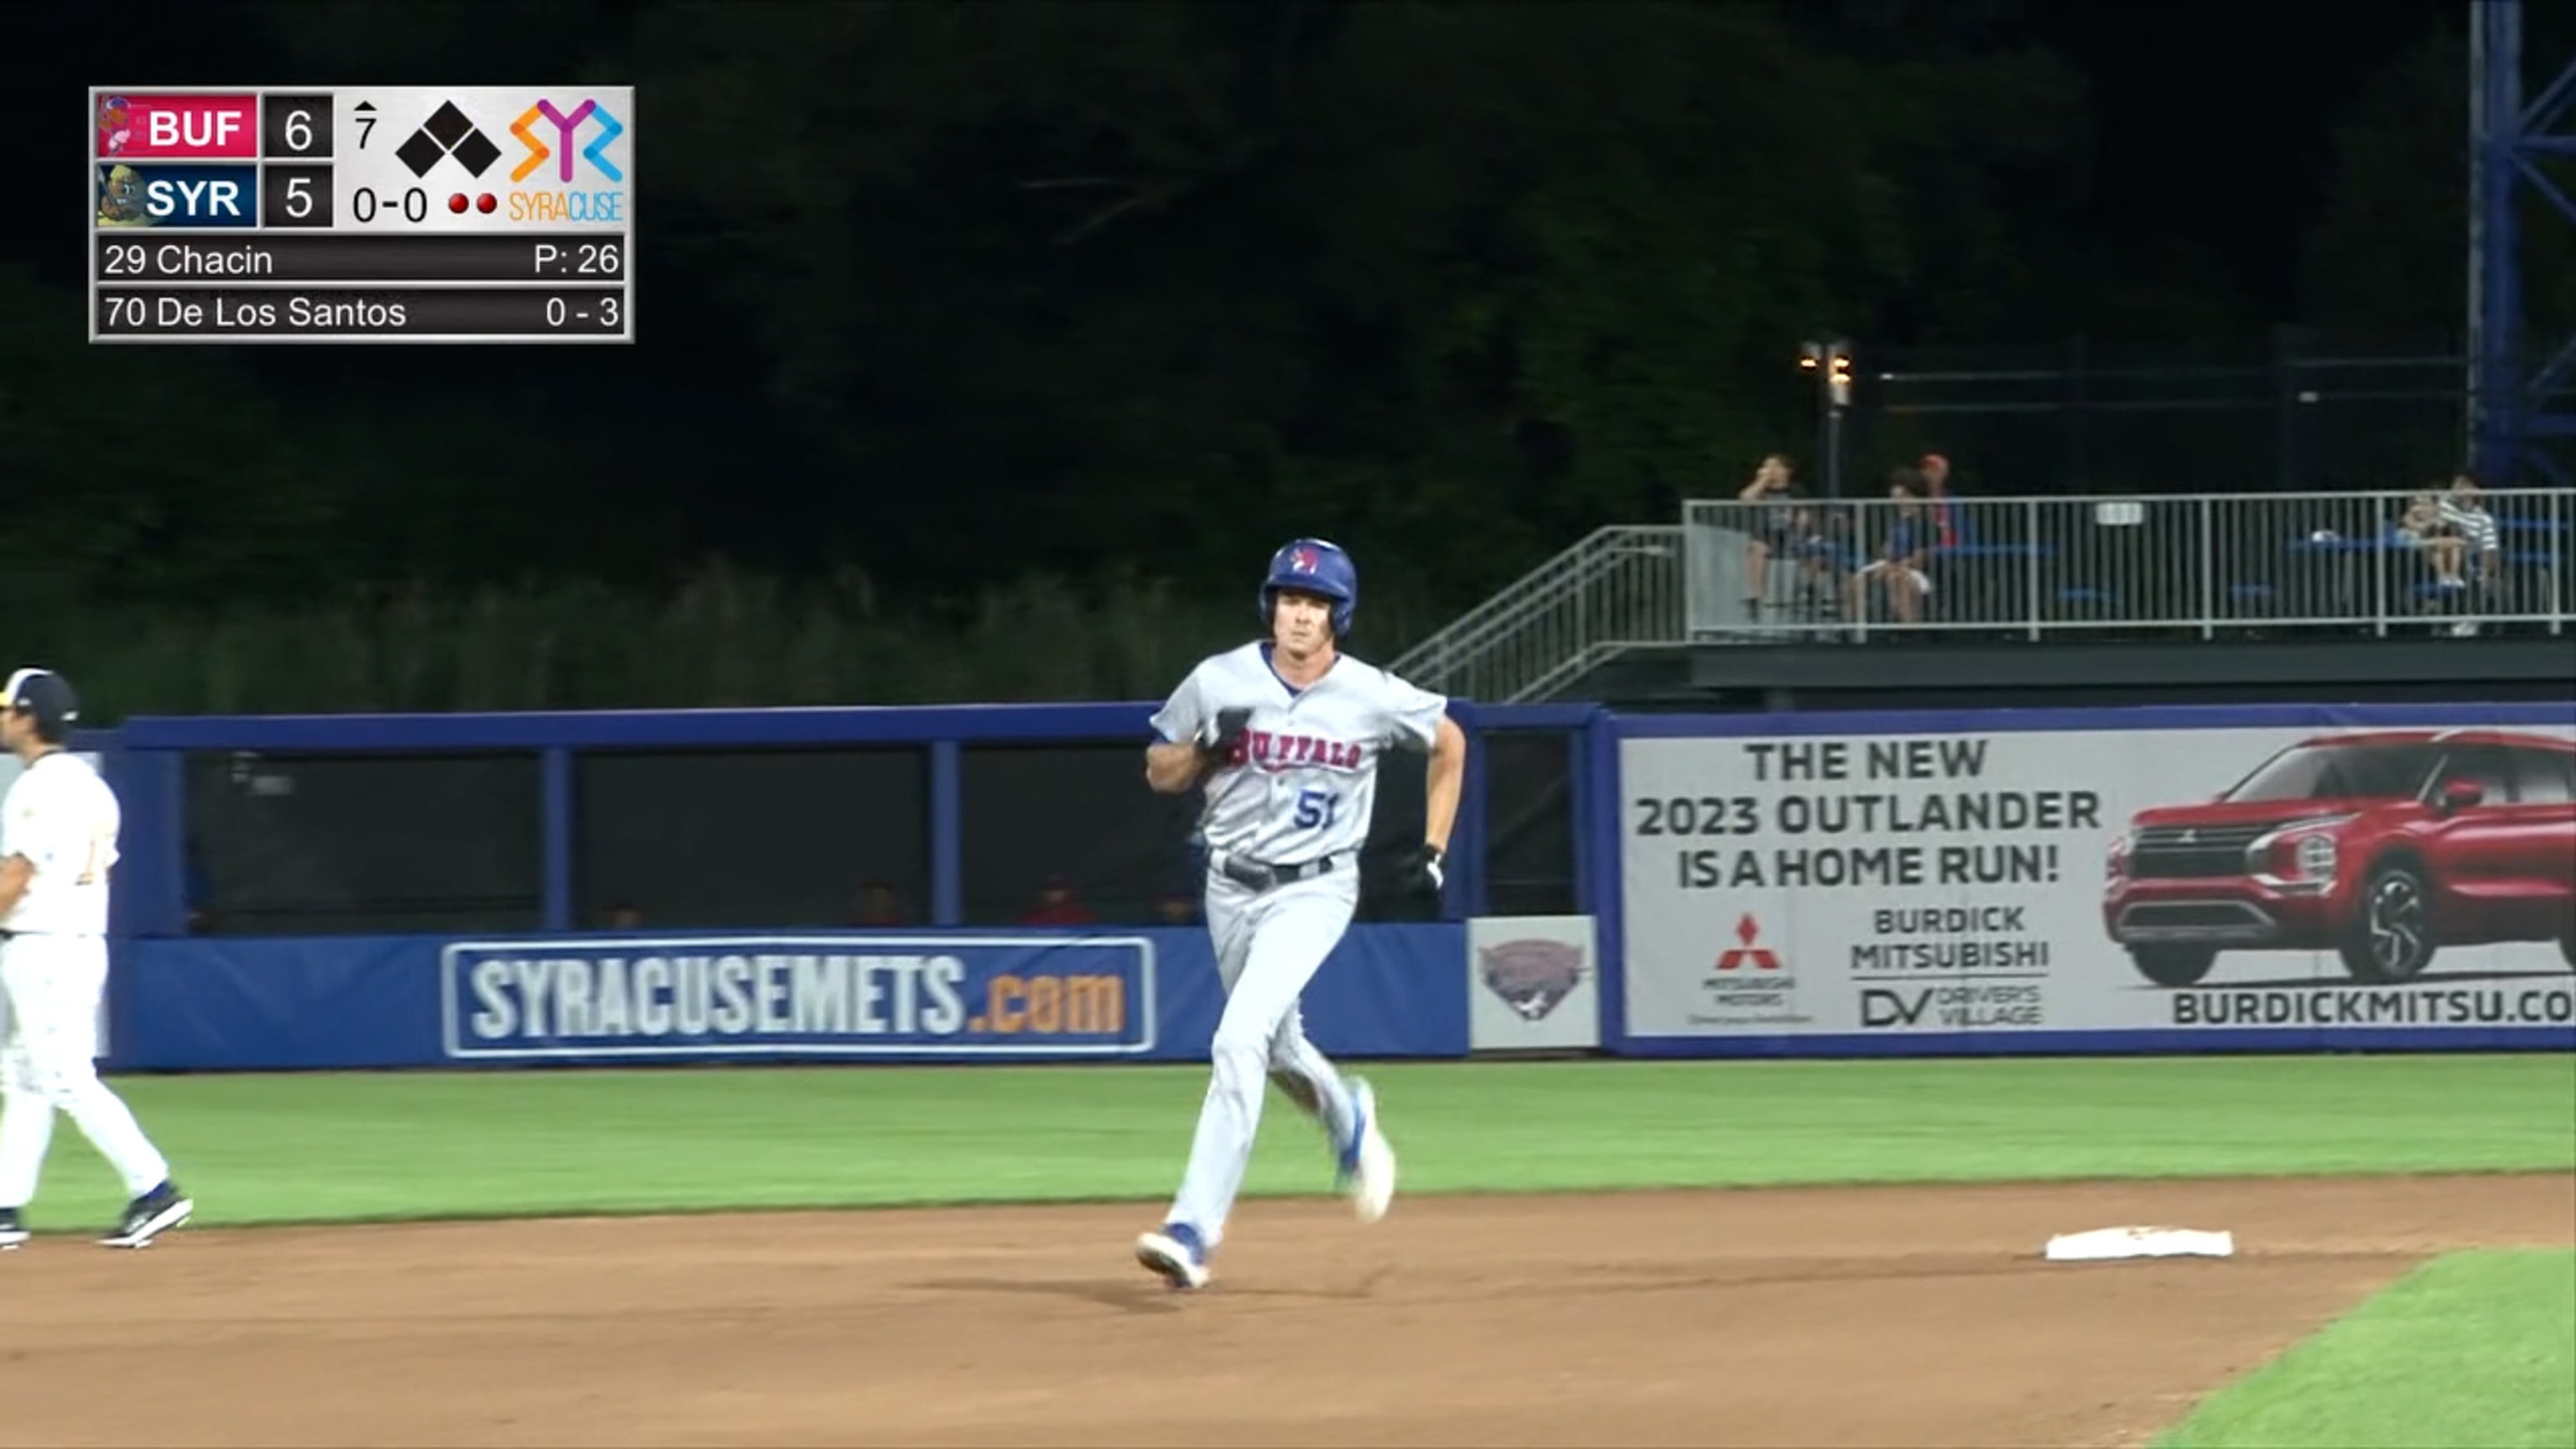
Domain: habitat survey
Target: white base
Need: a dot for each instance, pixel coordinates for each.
(2103, 1244)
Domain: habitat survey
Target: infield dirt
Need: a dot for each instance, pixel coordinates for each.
(1882, 1316)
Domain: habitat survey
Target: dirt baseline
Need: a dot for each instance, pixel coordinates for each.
(1781, 1317)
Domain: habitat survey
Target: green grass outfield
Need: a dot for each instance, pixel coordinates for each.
(265, 1149)
(2468, 1351)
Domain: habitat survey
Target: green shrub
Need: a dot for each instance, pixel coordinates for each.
(723, 637)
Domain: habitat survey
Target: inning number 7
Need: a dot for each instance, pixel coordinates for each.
(1315, 808)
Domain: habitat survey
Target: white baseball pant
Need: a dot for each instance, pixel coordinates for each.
(54, 986)
(1269, 944)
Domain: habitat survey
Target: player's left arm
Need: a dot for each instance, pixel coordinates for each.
(1422, 720)
(15, 871)
(1445, 779)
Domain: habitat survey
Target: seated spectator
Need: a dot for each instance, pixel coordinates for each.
(878, 905)
(1056, 906)
(2424, 528)
(1783, 526)
(621, 915)
(1900, 569)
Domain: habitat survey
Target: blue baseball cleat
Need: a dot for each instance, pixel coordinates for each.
(1367, 1162)
(1176, 1252)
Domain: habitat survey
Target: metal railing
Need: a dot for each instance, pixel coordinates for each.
(2200, 566)
(1619, 589)
(2195, 566)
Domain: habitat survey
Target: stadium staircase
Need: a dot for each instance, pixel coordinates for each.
(1619, 590)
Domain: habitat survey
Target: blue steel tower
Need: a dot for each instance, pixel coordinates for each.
(2522, 388)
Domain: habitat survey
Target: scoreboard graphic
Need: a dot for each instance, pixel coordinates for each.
(374, 214)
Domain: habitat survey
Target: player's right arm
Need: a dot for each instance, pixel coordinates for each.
(1174, 763)
(1174, 768)
(1192, 738)
(21, 837)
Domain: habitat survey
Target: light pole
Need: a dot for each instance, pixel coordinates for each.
(1831, 361)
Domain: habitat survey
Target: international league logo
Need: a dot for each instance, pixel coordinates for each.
(448, 135)
(1532, 977)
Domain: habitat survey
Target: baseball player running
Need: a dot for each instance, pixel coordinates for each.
(58, 830)
(1285, 735)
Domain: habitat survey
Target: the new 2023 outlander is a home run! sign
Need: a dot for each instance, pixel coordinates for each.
(2085, 879)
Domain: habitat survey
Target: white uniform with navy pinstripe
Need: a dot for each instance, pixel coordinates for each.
(64, 819)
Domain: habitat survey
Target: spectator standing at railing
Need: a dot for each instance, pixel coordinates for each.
(1935, 468)
(1902, 568)
(1781, 523)
(2464, 511)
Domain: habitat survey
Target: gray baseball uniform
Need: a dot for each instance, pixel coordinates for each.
(1295, 801)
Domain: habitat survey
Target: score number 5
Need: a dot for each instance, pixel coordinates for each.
(1315, 808)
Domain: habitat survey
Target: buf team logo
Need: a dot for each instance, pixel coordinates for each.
(115, 125)
(1303, 560)
(1532, 977)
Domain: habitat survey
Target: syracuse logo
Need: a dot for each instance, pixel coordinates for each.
(566, 127)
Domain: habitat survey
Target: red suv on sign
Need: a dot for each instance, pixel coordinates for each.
(2383, 847)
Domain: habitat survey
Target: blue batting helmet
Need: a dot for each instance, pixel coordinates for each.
(1312, 566)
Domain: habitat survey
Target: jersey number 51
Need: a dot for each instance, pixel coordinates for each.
(1315, 808)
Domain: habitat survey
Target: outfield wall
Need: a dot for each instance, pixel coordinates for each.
(838, 885)
(929, 996)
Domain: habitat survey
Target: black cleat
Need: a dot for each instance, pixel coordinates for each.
(149, 1216)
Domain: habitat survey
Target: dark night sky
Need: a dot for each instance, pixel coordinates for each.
(2214, 143)
(2214, 117)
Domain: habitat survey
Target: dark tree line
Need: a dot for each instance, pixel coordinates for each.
(947, 294)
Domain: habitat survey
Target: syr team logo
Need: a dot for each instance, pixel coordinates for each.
(564, 127)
